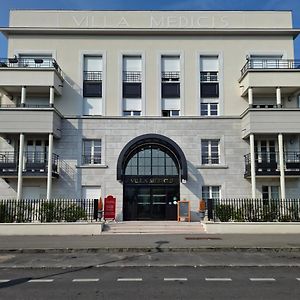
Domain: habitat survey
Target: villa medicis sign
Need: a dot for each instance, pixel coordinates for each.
(138, 19)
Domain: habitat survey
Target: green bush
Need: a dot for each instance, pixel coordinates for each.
(6, 215)
(74, 213)
(224, 212)
(56, 211)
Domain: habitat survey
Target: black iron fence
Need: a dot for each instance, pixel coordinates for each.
(132, 76)
(30, 62)
(40, 210)
(254, 210)
(270, 64)
(92, 75)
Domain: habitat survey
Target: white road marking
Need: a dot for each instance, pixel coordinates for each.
(262, 279)
(218, 279)
(298, 279)
(85, 280)
(175, 279)
(4, 280)
(130, 279)
(40, 280)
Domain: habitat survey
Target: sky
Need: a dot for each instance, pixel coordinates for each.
(293, 5)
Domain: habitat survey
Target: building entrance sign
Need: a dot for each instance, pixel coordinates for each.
(110, 208)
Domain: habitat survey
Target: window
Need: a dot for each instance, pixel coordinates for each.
(128, 113)
(36, 151)
(210, 192)
(209, 109)
(209, 85)
(265, 151)
(92, 85)
(210, 152)
(151, 161)
(170, 113)
(170, 76)
(270, 192)
(91, 152)
(132, 77)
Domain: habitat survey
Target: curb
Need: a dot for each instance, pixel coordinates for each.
(148, 249)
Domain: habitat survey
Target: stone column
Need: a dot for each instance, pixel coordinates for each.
(252, 160)
(23, 96)
(51, 99)
(278, 96)
(281, 165)
(20, 167)
(49, 173)
(250, 96)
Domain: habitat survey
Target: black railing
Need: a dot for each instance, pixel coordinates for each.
(277, 64)
(92, 75)
(208, 76)
(41, 210)
(170, 76)
(267, 163)
(254, 210)
(34, 63)
(35, 163)
(132, 76)
(91, 159)
(210, 160)
(18, 105)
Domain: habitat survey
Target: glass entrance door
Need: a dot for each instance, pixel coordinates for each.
(151, 202)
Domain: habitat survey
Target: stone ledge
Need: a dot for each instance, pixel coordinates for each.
(74, 228)
(252, 227)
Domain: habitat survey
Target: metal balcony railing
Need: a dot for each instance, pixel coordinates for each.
(209, 76)
(34, 163)
(170, 76)
(92, 75)
(91, 159)
(267, 163)
(31, 63)
(17, 105)
(277, 64)
(132, 76)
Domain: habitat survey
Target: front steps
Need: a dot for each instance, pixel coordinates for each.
(153, 227)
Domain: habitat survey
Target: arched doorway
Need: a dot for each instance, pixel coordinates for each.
(150, 167)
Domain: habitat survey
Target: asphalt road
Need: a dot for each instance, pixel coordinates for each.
(151, 283)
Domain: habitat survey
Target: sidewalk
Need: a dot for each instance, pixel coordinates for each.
(145, 243)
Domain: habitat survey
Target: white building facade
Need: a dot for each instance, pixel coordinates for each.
(151, 107)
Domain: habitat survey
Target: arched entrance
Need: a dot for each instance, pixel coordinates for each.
(150, 167)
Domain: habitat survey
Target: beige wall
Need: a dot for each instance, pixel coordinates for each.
(232, 50)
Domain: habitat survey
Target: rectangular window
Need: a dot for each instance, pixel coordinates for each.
(170, 76)
(170, 113)
(91, 152)
(92, 76)
(210, 152)
(210, 192)
(130, 113)
(270, 192)
(132, 77)
(209, 85)
(209, 109)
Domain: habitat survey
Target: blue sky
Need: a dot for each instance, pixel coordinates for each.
(293, 5)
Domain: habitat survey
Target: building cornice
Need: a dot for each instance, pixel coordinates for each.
(7, 31)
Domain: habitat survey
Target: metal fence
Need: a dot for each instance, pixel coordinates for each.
(54, 210)
(254, 210)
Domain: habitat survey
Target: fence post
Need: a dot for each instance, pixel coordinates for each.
(210, 209)
(96, 209)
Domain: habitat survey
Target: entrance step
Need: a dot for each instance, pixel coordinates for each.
(153, 227)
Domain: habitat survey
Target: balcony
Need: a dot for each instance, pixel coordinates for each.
(270, 121)
(40, 119)
(36, 74)
(264, 75)
(35, 164)
(267, 164)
